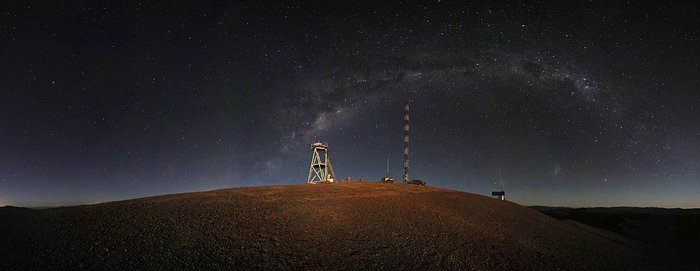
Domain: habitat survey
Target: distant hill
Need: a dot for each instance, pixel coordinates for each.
(353, 226)
(675, 232)
(12, 210)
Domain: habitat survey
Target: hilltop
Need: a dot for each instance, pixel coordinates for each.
(357, 226)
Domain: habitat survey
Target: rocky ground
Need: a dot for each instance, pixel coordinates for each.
(351, 226)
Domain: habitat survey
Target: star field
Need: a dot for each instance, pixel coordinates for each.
(562, 103)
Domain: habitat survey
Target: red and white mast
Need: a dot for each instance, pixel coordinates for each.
(406, 118)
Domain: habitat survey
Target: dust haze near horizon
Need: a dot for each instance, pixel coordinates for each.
(562, 103)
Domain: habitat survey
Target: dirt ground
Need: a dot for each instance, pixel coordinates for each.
(349, 226)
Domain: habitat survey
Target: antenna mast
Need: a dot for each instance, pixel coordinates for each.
(406, 110)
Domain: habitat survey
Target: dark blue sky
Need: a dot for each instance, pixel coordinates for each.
(565, 103)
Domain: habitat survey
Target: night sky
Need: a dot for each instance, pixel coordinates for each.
(569, 103)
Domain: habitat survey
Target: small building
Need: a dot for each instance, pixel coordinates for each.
(387, 180)
(499, 195)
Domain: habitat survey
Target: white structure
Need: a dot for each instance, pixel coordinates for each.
(321, 170)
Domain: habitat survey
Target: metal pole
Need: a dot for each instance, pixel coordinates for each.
(387, 164)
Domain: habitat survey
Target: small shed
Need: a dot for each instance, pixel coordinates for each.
(499, 195)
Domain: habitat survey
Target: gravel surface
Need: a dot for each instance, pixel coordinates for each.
(350, 226)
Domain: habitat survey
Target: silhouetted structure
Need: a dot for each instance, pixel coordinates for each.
(499, 194)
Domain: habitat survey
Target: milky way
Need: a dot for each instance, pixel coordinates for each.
(560, 103)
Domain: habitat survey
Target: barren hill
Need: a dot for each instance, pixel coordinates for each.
(357, 226)
(12, 210)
